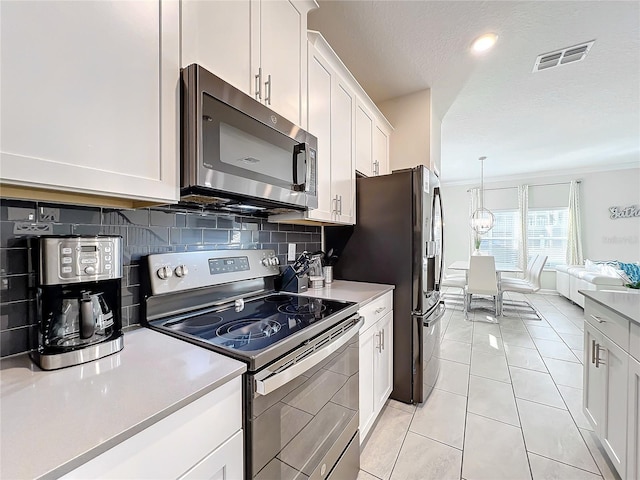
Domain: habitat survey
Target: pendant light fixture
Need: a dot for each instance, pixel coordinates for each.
(482, 219)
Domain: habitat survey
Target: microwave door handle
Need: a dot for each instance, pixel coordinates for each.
(297, 150)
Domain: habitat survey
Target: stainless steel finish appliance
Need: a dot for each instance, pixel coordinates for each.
(301, 387)
(238, 154)
(398, 240)
(79, 300)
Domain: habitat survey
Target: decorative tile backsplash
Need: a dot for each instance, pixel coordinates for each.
(144, 231)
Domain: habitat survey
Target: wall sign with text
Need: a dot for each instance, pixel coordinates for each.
(624, 212)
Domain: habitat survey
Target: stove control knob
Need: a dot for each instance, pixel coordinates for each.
(265, 262)
(164, 273)
(273, 261)
(181, 271)
(89, 270)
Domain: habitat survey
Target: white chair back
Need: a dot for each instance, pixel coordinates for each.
(530, 266)
(482, 275)
(536, 272)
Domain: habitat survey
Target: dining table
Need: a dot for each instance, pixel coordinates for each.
(500, 269)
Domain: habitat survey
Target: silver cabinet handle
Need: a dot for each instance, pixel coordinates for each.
(382, 333)
(258, 84)
(340, 205)
(335, 208)
(378, 310)
(593, 351)
(379, 344)
(598, 361)
(376, 168)
(597, 319)
(267, 90)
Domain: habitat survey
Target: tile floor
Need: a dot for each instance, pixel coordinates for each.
(507, 405)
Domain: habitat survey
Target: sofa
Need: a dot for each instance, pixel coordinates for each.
(571, 278)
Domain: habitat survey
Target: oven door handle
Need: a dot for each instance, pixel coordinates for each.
(266, 382)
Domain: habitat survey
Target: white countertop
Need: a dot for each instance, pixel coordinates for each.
(626, 304)
(359, 292)
(52, 422)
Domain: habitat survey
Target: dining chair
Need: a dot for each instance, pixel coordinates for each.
(482, 280)
(531, 285)
(456, 281)
(527, 274)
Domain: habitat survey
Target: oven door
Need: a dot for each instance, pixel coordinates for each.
(302, 411)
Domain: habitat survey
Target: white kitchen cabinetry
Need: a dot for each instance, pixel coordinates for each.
(633, 435)
(90, 99)
(607, 381)
(259, 46)
(204, 439)
(376, 360)
(331, 113)
(372, 139)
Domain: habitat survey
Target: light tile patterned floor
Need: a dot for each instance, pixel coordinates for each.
(507, 405)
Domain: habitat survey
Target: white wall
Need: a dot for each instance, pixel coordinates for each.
(410, 141)
(603, 237)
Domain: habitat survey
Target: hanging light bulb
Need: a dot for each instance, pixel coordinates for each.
(482, 219)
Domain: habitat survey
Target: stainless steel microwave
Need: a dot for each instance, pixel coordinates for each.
(239, 155)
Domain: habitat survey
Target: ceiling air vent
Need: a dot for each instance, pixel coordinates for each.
(562, 57)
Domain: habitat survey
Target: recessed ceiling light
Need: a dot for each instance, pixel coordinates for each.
(484, 42)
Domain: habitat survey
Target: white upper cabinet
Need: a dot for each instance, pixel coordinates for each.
(364, 139)
(331, 113)
(373, 132)
(380, 150)
(259, 46)
(90, 98)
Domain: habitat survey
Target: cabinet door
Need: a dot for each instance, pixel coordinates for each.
(364, 132)
(614, 366)
(633, 420)
(383, 369)
(320, 116)
(380, 151)
(281, 57)
(224, 463)
(593, 388)
(342, 168)
(217, 36)
(90, 97)
(368, 350)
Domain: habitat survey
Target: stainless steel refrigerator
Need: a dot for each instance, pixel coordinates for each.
(398, 240)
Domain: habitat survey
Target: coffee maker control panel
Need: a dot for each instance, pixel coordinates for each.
(80, 259)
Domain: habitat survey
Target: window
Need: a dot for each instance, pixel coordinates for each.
(503, 239)
(547, 234)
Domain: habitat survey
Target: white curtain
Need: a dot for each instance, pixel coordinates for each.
(523, 209)
(474, 203)
(574, 234)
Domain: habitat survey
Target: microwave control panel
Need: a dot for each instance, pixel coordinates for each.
(80, 259)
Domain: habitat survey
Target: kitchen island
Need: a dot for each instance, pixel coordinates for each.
(611, 375)
(55, 421)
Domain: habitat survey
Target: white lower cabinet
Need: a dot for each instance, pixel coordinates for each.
(606, 383)
(376, 360)
(633, 417)
(204, 439)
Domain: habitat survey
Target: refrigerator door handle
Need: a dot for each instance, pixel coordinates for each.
(432, 316)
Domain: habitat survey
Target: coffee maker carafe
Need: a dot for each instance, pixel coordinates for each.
(79, 300)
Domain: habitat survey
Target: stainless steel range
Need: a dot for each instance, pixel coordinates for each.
(301, 387)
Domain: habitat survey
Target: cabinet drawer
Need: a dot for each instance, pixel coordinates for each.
(376, 309)
(634, 341)
(608, 322)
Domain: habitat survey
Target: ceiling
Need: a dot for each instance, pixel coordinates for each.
(580, 117)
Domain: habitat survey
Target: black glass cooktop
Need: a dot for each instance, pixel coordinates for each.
(256, 325)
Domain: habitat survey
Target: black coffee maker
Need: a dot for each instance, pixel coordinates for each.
(79, 300)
